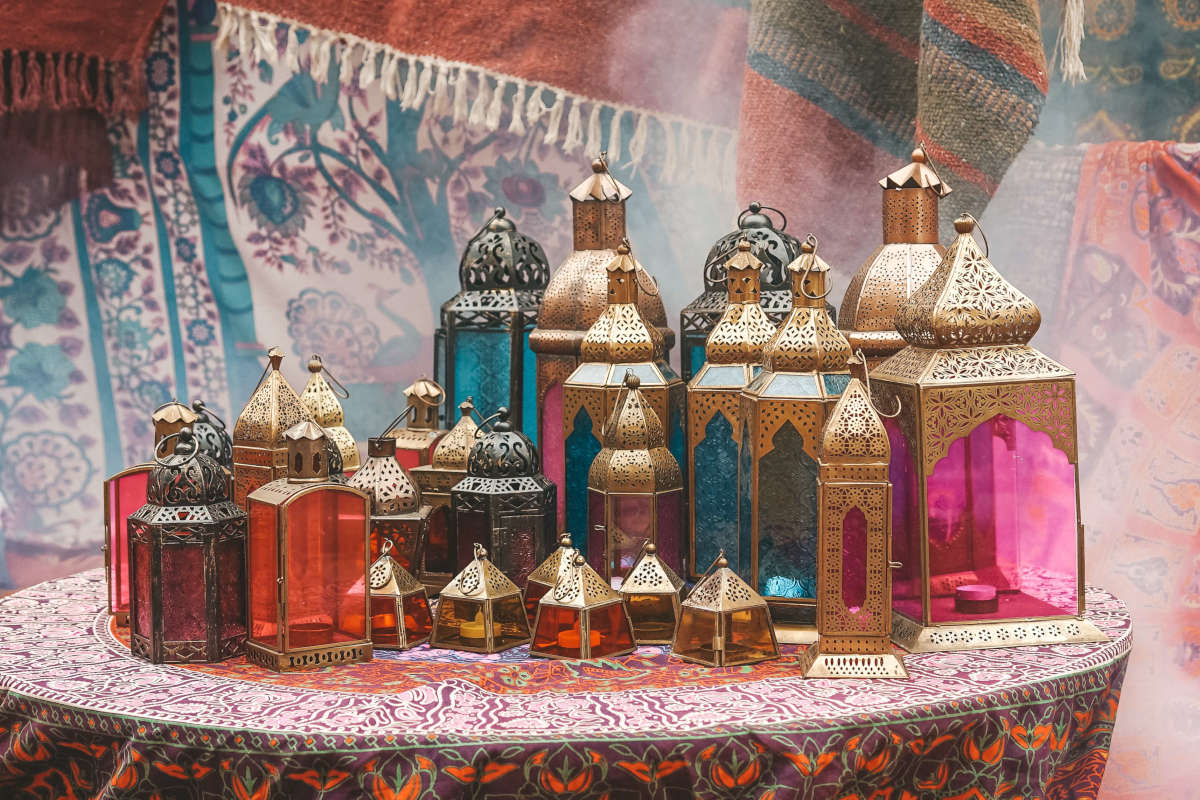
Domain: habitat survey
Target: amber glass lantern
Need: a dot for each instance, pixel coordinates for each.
(259, 450)
(482, 349)
(400, 616)
(635, 489)
(581, 618)
(212, 437)
(306, 559)
(480, 610)
(125, 493)
(575, 298)
(734, 357)
(326, 409)
(505, 503)
(651, 591)
(416, 441)
(985, 515)
(854, 585)
(548, 573)
(187, 562)
(723, 622)
(908, 256)
(781, 414)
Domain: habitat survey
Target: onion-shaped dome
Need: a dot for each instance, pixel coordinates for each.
(774, 247)
(499, 257)
(503, 453)
(391, 489)
(322, 402)
(808, 340)
(187, 477)
(743, 330)
(634, 457)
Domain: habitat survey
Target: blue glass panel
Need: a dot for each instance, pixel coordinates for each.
(582, 449)
(725, 375)
(675, 443)
(745, 503)
(716, 483)
(529, 391)
(787, 518)
(666, 370)
(836, 384)
(481, 369)
(591, 373)
(789, 384)
(760, 380)
(698, 357)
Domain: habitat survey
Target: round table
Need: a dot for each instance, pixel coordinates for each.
(81, 717)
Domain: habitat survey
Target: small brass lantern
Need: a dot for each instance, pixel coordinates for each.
(854, 582)
(984, 467)
(212, 437)
(259, 450)
(548, 573)
(187, 562)
(416, 441)
(326, 409)
(307, 562)
(400, 616)
(581, 617)
(651, 592)
(480, 610)
(723, 622)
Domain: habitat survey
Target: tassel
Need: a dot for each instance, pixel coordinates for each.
(389, 76)
(460, 95)
(324, 58)
(593, 145)
(292, 53)
(614, 136)
(554, 118)
(345, 63)
(517, 124)
(492, 120)
(534, 107)
(441, 90)
(670, 163)
(411, 80)
(366, 73)
(265, 44)
(246, 39)
(637, 144)
(479, 107)
(1070, 40)
(423, 84)
(226, 28)
(574, 128)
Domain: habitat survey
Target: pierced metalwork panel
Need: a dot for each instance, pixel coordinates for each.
(390, 488)
(884, 282)
(916, 638)
(723, 590)
(273, 408)
(874, 619)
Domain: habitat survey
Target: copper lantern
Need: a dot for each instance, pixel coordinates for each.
(634, 489)
(482, 349)
(908, 256)
(548, 573)
(400, 616)
(416, 441)
(581, 617)
(576, 296)
(505, 503)
(326, 410)
(259, 450)
(306, 558)
(984, 467)
(651, 591)
(854, 586)
(723, 622)
(212, 437)
(781, 414)
(480, 610)
(734, 352)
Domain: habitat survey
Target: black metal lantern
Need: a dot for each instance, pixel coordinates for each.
(482, 348)
(505, 503)
(211, 435)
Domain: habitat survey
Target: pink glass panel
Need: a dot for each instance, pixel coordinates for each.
(326, 568)
(262, 567)
(140, 616)
(183, 602)
(670, 530)
(854, 559)
(597, 532)
(906, 525)
(550, 441)
(125, 495)
(633, 517)
(231, 587)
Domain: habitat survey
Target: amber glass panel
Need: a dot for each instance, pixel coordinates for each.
(533, 593)
(385, 627)
(906, 524)
(653, 617)
(183, 605)
(230, 585)
(748, 636)
(417, 619)
(262, 566)
(141, 621)
(697, 634)
(633, 526)
(558, 632)
(461, 623)
(326, 568)
(511, 626)
(610, 632)
(125, 496)
(440, 551)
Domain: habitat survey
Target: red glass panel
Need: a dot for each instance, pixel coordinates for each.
(125, 495)
(417, 619)
(262, 567)
(231, 587)
(854, 560)
(183, 601)
(533, 594)
(597, 532)
(550, 442)
(558, 632)
(385, 630)
(473, 528)
(610, 631)
(440, 551)
(633, 517)
(142, 587)
(906, 525)
(670, 530)
(326, 568)
(405, 536)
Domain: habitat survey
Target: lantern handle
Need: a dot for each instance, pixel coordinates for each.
(497, 212)
(176, 435)
(488, 420)
(385, 548)
(396, 422)
(812, 238)
(978, 227)
(713, 566)
(198, 406)
(761, 207)
(871, 395)
(616, 195)
(344, 393)
(637, 276)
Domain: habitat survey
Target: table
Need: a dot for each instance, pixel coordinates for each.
(80, 717)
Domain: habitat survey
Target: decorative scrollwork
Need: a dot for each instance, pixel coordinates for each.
(503, 453)
(498, 257)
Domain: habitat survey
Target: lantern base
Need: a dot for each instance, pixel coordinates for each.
(917, 638)
(795, 633)
(815, 664)
(392, 642)
(310, 657)
(121, 618)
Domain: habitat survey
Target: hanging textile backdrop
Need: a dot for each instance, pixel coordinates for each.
(289, 185)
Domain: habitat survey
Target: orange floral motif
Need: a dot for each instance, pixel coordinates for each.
(322, 783)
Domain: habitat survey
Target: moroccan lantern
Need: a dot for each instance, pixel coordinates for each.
(854, 582)
(125, 493)
(306, 560)
(322, 402)
(900, 266)
(415, 442)
(400, 616)
(187, 562)
(984, 467)
(259, 450)
(734, 356)
(620, 341)
(211, 435)
(505, 503)
(482, 347)
(723, 622)
(581, 617)
(780, 418)
(548, 573)
(634, 489)
(651, 591)
(480, 610)
(575, 298)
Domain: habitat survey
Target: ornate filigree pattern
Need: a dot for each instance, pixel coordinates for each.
(503, 453)
(390, 487)
(867, 629)
(452, 451)
(635, 457)
(723, 590)
(854, 433)
(499, 257)
(882, 284)
(272, 409)
(187, 478)
(702, 405)
(743, 330)
(620, 335)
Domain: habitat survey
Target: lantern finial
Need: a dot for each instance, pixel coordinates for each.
(808, 340)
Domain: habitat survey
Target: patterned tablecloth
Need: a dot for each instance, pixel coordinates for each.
(80, 717)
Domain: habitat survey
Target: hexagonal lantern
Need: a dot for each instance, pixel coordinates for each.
(323, 403)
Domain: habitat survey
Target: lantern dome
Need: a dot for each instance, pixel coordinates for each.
(917, 174)
(273, 408)
(170, 418)
(854, 433)
(211, 435)
(426, 391)
(187, 477)
(743, 330)
(635, 457)
(391, 489)
(480, 579)
(455, 447)
(503, 453)
(499, 257)
(808, 340)
(774, 247)
(621, 334)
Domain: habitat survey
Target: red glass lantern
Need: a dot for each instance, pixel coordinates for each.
(581, 617)
(416, 441)
(400, 616)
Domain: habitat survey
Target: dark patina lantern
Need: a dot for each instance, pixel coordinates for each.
(400, 616)
(774, 248)
(480, 610)
(482, 348)
(505, 503)
(723, 622)
(306, 560)
(322, 402)
(652, 592)
(259, 450)
(734, 350)
(187, 562)
(548, 573)
(212, 437)
(581, 617)
(420, 435)
(576, 297)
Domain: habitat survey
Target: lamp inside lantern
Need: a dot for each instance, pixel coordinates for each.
(480, 610)
(581, 617)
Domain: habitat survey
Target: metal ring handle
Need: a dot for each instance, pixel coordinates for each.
(761, 207)
(176, 435)
(871, 394)
(396, 422)
(978, 227)
(808, 269)
(345, 393)
(198, 405)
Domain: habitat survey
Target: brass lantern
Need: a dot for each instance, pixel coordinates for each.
(781, 414)
(854, 582)
(651, 591)
(548, 573)
(900, 266)
(307, 563)
(480, 610)
(400, 616)
(322, 402)
(734, 357)
(187, 562)
(482, 347)
(575, 298)
(581, 617)
(415, 442)
(125, 493)
(259, 450)
(723, 622)
(620, 341)
(211, 435)
(984, 467)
